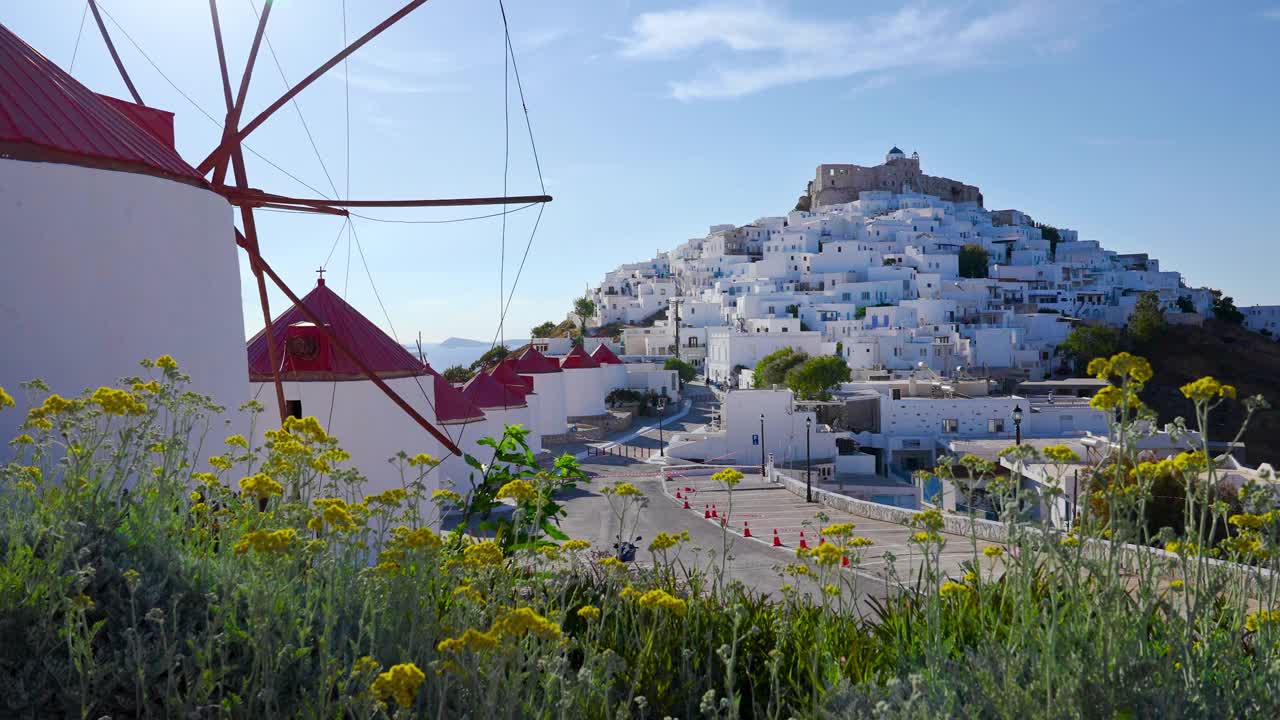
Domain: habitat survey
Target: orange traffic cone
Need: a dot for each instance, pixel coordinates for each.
(706, 512)
(714, 514)
(803, 545)
(844, 561)
(679, 496)
(746, 531)
(821, 540)
(686, 504)
(777, 541)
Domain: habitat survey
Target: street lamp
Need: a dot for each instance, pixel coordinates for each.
(1017, 424)
(662, 415)
(808, 474)
(762, 477)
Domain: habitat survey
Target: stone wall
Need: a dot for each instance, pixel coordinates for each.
(834, 184)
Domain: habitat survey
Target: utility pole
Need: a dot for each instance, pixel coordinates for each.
(675, 303)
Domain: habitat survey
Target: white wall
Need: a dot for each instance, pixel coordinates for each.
(102, 269)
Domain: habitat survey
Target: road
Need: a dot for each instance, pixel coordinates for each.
(763, 507)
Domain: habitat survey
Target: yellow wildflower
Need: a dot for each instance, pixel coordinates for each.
(199, 508)
(270, 543)
(831, 590)
(666, 541)
(387, 567)
(83, 602)
(472, 640)
(132, 578)
(416, 538)
(31, 471)
(728, 476)
(589, 612)
(623, 490)
(838, 529)
(1070, 541)
(260, 486)
(518, 490)
(53, 405)
(423, 460)
(629, 593)
(970, 578)
(365, 666)
(150, 387)
(442, 496)
(1258, 618)
(611, 563)
(798, 569)
(6, 400)
(859, 541)
(388, 498)
(466, 591)
(1108, 398)
(992, 551)
(166, 362)
(237, 441)
(1206, 389)
(951, 589)
(929, 519)
(482, 554)
(1177, 585)
(23, 439)
(118, 402)
(575, 545)
(307, 427)
(336, 513)
(520, 621)
(662, 600)
(1099, 368)
(1060, 454)
(220, 462)
(26, 485)
(827, 554)
(400, 682)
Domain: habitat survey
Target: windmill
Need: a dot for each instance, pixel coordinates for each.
(228, 157)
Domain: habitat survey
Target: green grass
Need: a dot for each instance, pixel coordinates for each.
(157, 602)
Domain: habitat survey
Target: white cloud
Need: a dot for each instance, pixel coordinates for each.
(752, 47)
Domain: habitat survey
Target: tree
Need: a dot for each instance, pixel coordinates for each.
(1224, 308)
(1054, 236)
(1147, 321)
(544, 330)
(973, 261)
(814, 378)
(493, 355)
(457, 374)
(1086, 343)
(772, 368)
(1185, 305)
(584, 308)
(685, 370)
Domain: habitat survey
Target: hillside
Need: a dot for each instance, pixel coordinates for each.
(1245, 359)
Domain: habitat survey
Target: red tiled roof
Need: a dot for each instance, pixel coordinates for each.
(487, 393)
(503, 373)
(578, 359)
(45, 109)
(312, 359)
(605, 356)
(532, 362)
(451, 405)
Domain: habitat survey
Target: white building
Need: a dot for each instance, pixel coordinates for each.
(116, 248)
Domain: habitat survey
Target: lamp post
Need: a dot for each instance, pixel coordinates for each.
(1017, 424)
(808, 475)
(762, 477)
(662, 416)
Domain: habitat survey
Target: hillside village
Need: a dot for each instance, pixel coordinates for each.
(949, 316)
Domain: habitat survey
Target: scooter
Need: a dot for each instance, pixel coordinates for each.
(626, 550)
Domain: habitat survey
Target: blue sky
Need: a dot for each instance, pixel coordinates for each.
(1149, 126)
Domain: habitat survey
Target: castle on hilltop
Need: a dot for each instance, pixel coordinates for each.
(837, 184)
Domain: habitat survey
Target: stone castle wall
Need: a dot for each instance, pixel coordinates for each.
(836, 184)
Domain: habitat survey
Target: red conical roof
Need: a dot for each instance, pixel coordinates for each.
(503, 373)
(452, 407)
(314, 359)
(47, 115)
(605, 356)
(532, 362)
(578, 359)
(487, 393)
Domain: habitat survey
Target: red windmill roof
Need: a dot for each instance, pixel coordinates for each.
(45, 114)
(487, 393)
(532, 362)
(308, 363)
(503, 373)
(578, 359)
(605, 356)
(452, 407)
